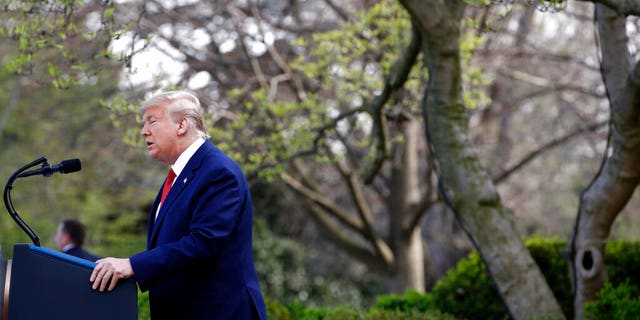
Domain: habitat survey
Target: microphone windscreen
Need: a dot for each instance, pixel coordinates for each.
(70, 165)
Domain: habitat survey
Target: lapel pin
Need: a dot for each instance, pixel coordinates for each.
(185, 180)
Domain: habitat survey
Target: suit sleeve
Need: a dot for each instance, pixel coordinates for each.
(218, 205)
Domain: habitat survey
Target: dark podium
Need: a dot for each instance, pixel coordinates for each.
(47, 284)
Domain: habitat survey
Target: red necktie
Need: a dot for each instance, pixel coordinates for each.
(167, 184)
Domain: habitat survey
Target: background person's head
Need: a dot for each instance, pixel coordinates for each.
(70, 231)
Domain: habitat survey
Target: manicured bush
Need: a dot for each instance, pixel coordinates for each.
(375, 314)
(277, 311)
(550, 255)
(407, 302)
(622, 259)
(620, 302)
(468, 292)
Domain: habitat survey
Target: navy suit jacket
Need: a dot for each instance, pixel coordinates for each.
(198, 263)
(81, 253)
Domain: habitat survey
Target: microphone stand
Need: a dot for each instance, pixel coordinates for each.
(7, 199)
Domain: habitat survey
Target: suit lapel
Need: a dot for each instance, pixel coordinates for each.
(152, 218)
(179, 185)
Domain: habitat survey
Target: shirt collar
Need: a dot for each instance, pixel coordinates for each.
(68, 247)
(186, 155)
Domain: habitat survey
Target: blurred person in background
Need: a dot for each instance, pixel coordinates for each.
(70, 239)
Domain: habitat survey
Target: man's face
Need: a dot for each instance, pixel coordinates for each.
(161, 134)
(61, 238)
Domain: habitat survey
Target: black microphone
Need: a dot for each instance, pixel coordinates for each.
(65, 166)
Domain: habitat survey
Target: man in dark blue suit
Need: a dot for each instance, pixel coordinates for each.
(198, 263)
(70, 239)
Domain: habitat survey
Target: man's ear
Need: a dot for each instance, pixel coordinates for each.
(183, 126)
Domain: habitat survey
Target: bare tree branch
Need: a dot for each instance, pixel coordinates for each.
(341, 12)
(346, 243)
(299, 87)
(394, 81)
(321, 132)
(326, 204)
(428, 199)
(238, 17)
(622, 7)
(355, 188)
(544, 148)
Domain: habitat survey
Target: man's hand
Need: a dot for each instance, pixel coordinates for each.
(110, 270)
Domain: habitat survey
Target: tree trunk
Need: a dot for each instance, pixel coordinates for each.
(406, 239)
(464, 184)
(614, 184)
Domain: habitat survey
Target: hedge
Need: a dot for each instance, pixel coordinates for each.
(467, 292)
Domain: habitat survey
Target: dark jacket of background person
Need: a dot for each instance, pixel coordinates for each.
(70, 239)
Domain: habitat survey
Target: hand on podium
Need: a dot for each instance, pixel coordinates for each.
(108, 271)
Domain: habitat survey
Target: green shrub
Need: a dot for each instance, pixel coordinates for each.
(283, 268)
(408, 302)
(550, 254)
(468, 292)
(622, 259)
(277, 311)
(375, 314)
(615, 303)
(143, 305)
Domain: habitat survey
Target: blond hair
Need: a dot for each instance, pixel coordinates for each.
(180, 104)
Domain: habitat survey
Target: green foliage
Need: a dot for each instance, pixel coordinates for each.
(543, 5)
(276, 128)
(478, 2)
(621, 259)
(621, 302)
(409, 301)
(474, 79)
(48, 44)
(407, 315)
(283, 270)
(349, 63)
(110, 197)
(381, 31)
(277, 311)
(552, 5)
(143, 305)
(467, 291)
(279, 262)
(549, 255)
(124, 114)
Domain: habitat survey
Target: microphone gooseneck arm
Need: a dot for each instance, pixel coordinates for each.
(7, 199)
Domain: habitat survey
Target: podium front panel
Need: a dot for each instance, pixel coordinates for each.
(4, 286)
(47, 284)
